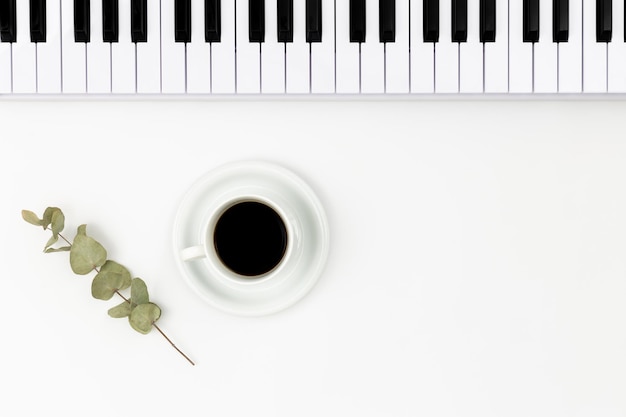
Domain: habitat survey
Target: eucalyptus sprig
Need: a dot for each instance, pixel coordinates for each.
(87, 255)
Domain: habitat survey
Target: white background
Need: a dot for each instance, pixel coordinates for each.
(477, 264)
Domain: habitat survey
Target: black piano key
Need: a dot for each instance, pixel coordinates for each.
(110, 20)
(313, 20)
(139, 20)
(431, 20)
(82, 21)
(488, 20)
(531, 21)
(387, 20)
(560, 20)
(37, 20)
(8, 21)
(285, 21)
(357, 20)
(604, 23)
(182, 21)
(256, 19)
(459, 20)
(212, 20)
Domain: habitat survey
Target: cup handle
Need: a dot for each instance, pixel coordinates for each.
(192, 252)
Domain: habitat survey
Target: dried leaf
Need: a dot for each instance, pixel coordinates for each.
(112, 267)
(31, 218)
(51, 242)
(121, 310)
(82, 230)
(86, 254)
(143, 316)
(111, 278)
(61, 249)
(58, 222)
(48, 214)
(138, 292)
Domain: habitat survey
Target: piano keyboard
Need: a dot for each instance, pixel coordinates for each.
(312, 46)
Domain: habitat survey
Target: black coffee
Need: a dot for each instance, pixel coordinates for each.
(250, 238)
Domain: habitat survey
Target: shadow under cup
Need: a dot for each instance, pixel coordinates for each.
(250, 238)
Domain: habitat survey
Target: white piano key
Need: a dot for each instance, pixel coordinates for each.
(297, 56)
(297, 66)
(198, 53)
(617, 51)
(446, 53)
(471, 53)
(594, 53)
(49, 52)
(323, 53)
(422, 54)
(24, 54)
(520, 52)
(545, 65)
(571, 52)
(123, 65)
(397, 53)
(223, 53)
(149, 53)
(98, 55)
(372, 53)
(173, 54)
(348, 59)
(248, 53)
(272, 53)
(5, 68)
(496, 54)
(73, 54)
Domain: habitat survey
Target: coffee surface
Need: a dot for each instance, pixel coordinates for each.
(250, 238)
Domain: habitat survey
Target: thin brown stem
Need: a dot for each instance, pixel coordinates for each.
(63, 237)
(162, 333)
(120, 294)
(173, 345)
(128, 301)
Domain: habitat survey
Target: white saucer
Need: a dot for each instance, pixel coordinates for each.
(286, 286)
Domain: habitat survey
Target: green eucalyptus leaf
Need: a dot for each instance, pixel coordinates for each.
(112, 267)
(82, 230)
(48, 214)
(138, 292)
(143, 316)
(51, 242)
(31, 218)
(121, 310)
(86, 253)
(58, 222)
(111, 278)
(103, 287)
(61, 249)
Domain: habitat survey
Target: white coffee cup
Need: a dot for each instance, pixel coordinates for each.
(206, 251)
(306, 232)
